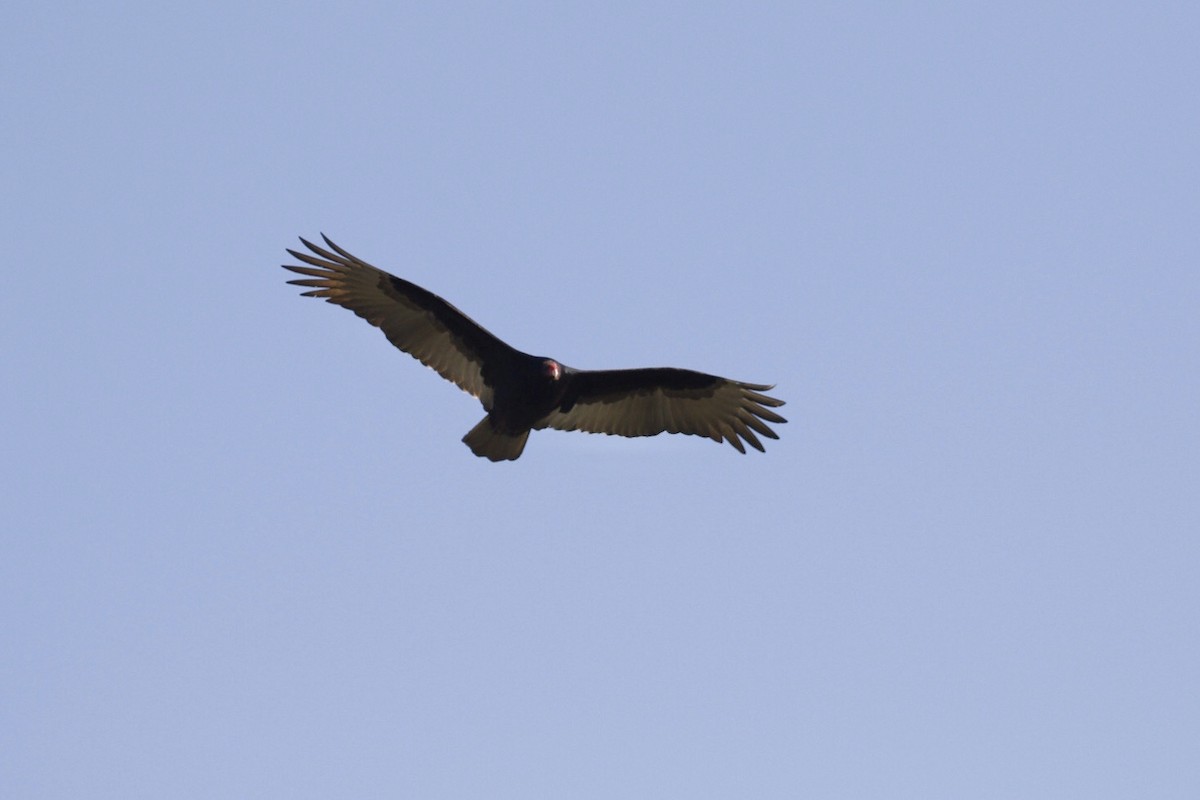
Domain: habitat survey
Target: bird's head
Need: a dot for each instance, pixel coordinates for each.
(552, 369)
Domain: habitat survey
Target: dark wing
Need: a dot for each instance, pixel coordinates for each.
(417, 321)
(644, 402)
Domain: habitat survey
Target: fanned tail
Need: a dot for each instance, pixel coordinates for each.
(487, 442)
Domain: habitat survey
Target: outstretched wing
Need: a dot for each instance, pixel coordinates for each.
(415, 320)
(645, 402)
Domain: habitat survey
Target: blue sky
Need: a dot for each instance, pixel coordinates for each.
(246, 554)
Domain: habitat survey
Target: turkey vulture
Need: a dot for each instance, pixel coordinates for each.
(522, 392)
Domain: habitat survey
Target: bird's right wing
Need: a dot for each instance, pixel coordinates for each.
(415, 320)
(646, 402)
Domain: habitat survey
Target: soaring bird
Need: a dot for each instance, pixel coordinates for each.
(521, 392)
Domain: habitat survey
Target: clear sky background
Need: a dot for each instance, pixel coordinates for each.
(246, 555)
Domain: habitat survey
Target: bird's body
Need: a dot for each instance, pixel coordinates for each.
(522, 392)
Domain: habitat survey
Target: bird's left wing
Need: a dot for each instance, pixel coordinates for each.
(645, 402)
(414, 319)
